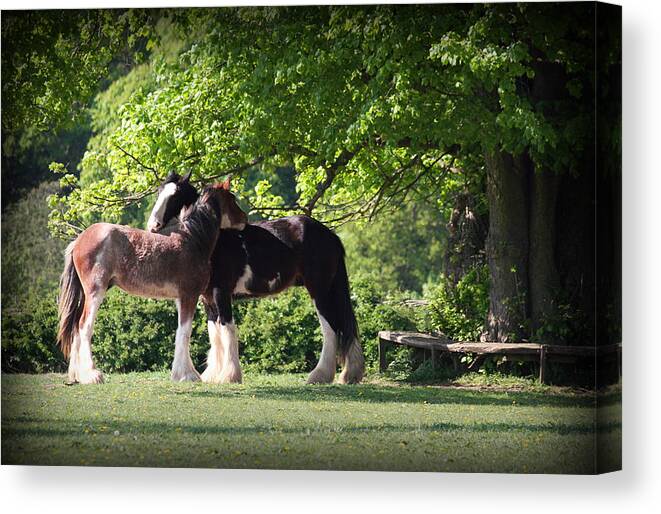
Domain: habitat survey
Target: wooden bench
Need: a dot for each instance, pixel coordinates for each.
(516, 351)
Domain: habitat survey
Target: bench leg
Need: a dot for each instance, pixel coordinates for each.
(383, 363)
(542, 364)
(435, 358)
(477, 362)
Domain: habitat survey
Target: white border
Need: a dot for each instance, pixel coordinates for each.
(637, 489)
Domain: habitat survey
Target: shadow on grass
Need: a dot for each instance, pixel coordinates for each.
(381, 394)
(65, 428)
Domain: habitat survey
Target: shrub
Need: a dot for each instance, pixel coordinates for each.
(277, 334)
(459, 311)
(29, 331)
(375, 311)
(137, 334)
(130, 334)
(31, 259)
(282, 333)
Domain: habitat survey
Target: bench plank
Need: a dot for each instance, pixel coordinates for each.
(429, 342)
(523, 350)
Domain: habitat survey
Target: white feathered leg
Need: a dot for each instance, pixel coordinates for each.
(324, 371)
(183, 369)
(84, 368)
(231, 372)
(212, 373)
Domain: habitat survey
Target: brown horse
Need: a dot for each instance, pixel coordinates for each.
(174, 266)
(264, 258)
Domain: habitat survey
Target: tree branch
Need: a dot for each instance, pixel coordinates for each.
(293, 207)
(126, 200)
(331, 172)
(140, 163)
(238, 169)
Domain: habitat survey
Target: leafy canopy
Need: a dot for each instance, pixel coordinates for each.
(369, 104)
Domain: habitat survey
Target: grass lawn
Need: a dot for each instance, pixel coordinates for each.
(276, 421)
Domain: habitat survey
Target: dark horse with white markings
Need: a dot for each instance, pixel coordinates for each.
(264, 258)
(174, 266)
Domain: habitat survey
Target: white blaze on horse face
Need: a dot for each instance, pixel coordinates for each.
(156, 218)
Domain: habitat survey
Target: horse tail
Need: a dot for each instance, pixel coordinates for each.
(347, 325)
(70, 302)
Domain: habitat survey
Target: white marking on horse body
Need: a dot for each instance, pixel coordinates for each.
(272, 283)
(241, 284)
(225, 221)
(156, 218)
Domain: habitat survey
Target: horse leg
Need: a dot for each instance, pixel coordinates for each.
(183, 369)
(81, 351)
(231, 373)
(73, 358)
(338, 326)
(223, 366)
(324, 371)
(353, 367)
(215, 357)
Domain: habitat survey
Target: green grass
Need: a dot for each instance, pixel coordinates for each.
(143, 419)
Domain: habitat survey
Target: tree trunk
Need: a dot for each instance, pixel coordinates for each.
(543, 274)
(507, 248)
(548, 86)
(467, 232)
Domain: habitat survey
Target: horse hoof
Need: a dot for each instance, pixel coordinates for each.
(186, 377)
(211, 376)
(350, 378)
(319, 376)
(231, 376)
(92, 376)
(352, 374)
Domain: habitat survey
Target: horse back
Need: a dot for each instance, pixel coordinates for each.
(140, 262)
(267, 257)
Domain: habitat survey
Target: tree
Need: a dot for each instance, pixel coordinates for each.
(375, 106)
(53, 61)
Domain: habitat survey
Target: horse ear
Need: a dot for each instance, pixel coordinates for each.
(186, 177)
(226, 184)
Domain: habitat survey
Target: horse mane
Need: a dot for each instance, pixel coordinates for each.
(201, 220)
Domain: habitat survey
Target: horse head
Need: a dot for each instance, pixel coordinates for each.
(175, 193)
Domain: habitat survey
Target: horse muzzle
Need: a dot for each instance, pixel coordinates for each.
(153, 225)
